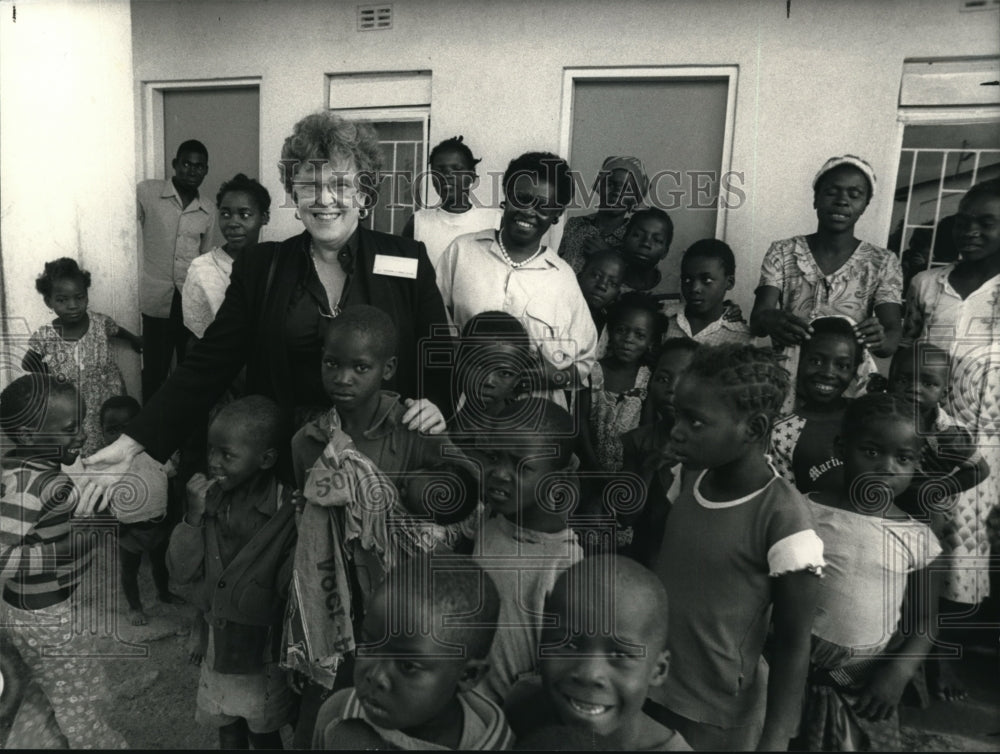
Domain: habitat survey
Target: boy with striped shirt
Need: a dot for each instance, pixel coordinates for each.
(42, 566)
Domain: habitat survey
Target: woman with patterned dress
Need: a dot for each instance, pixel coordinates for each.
(831, 272)
(621, 186)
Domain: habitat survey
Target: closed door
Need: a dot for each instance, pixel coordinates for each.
(677, 127)
(226, 120)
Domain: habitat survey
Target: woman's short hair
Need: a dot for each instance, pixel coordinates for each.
(544, 166)
(989, 189)
(325, 136)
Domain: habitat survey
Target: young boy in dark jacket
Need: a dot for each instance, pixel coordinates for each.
(236, 545)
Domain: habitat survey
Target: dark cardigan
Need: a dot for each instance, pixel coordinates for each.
(248, 330)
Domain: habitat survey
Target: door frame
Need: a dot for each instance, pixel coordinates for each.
(656, 73)
(152, 113)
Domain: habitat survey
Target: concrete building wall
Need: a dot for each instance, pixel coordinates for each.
(822, 80)
(67, 162)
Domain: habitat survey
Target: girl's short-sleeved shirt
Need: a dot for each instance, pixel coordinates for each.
(717, 561)
(871, 276)
(868, 559)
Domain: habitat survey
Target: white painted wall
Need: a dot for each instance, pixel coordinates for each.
(67, 161)
(821, 82)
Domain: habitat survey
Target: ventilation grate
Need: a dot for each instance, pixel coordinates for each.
(374, 17)
(965, 6)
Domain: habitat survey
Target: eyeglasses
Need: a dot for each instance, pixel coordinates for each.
(342, 187)
(195, 167)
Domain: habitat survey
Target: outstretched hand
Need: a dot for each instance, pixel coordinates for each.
(112, 462)
(91, 500)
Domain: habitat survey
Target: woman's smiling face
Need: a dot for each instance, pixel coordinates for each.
(826, 367)
(530, 210)
(328, 199)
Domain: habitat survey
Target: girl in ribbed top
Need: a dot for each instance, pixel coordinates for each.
(739, 554)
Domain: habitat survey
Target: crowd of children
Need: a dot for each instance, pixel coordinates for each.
(487, 587)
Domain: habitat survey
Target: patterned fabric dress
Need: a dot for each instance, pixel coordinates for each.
(871, 276)
(969, 329)
(88, 363)
(578, 231)
(613, 414)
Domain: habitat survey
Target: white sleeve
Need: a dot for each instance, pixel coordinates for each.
(195, 306)
(801, 551)
(445, 275)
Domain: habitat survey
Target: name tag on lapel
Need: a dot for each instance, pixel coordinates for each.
(397, 267)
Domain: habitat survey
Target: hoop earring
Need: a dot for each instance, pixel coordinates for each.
(297, 215)
(362, 213)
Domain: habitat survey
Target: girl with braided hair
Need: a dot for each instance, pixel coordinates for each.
(739, 554)
(878, 559)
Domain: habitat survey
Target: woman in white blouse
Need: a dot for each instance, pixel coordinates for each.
(244, 207)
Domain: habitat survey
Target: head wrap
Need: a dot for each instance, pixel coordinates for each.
(634, 166)
(854, 162)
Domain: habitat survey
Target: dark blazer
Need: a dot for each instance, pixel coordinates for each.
(249, 330)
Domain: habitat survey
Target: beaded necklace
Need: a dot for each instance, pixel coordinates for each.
(506, 256)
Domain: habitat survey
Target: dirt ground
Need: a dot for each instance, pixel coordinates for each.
(154, 696)
(153, 686)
